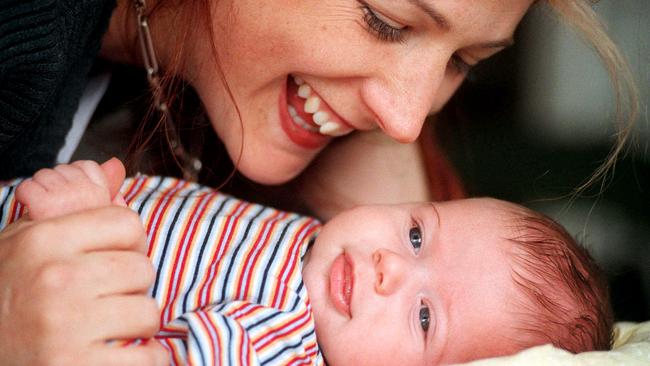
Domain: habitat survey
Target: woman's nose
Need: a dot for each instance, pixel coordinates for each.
(401, 96)
(390, 269)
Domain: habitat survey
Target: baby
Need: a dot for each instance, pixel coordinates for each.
(407, 284)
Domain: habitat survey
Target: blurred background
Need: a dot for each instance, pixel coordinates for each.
(534, 122)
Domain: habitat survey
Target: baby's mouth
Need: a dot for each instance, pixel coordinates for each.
(310, 112)
(341, 281)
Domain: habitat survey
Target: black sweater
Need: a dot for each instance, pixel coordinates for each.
(47, 48)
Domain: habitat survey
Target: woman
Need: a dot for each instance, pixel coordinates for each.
(278, 80)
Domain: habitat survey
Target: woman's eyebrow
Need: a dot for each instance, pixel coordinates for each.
(428, 8)
(445, 25)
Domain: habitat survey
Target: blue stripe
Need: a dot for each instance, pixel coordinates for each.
(233, 257)
(204, 244)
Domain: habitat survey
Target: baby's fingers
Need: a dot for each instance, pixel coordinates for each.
(37, 198)
(115, 173)
(29, 190)
(93, 172)
(50, 179)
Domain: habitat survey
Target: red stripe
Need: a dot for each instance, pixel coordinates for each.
(207, 324)
(276, 333)
(179, 274)
(171, 336)
(129, 190)
(242, 341)
(209, 279)
(238, 314)
(159, 208)
(299, 238)
(283, 272)
(249, 268)
(173, 350)
(299, 360)
(15, 210)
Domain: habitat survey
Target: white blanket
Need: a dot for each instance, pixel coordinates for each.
(631, 348)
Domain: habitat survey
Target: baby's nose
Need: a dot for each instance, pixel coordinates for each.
(389, 269)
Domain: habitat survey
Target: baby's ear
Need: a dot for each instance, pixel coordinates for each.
(115, 174)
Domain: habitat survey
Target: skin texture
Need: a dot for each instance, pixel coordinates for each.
(371, 83)
(461, 273)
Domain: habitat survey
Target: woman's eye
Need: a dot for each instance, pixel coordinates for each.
(425, 317)
(380, 26)
(415, 237)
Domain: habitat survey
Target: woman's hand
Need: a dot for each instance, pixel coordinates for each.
(70, 284)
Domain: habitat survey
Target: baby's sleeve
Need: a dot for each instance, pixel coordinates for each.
(239, 333)
(10, 209)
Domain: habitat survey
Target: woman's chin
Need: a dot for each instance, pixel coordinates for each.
(270, 172)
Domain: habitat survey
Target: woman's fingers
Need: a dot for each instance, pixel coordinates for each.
(116, 272)
(72, 282)
(105, 228)
(124, 317)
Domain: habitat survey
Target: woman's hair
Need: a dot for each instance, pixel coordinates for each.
(580, 16)
(194, 16)
(189, 18)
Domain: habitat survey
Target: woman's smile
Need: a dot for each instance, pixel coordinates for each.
(306, 118)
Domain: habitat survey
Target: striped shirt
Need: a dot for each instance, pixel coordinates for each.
(228, 274)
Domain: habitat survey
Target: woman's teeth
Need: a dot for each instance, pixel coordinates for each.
(321, 118)
(299, 121)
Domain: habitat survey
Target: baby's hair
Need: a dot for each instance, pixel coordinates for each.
(566, 299)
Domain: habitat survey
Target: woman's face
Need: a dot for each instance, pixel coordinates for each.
(303, 72)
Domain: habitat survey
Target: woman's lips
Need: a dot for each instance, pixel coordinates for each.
(342, 283)
(306, 118)
(297, 134)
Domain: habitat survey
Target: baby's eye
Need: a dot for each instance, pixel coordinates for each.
(415, 237)
(425, 317)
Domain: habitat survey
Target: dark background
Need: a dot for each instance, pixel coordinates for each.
(533, 123)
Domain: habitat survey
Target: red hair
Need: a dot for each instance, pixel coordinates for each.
(566, 298)
(444, 181)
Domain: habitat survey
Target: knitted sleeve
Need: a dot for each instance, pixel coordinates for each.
(47, 48)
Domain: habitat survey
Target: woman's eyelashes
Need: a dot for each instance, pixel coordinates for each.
(380, 26)
(460, 65)
(389, 31)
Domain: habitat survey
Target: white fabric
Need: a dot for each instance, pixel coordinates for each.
(631, 348)
(93, 93)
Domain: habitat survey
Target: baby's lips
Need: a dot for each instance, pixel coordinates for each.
(342, 284)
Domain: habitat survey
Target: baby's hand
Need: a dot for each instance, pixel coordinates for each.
(70, 188)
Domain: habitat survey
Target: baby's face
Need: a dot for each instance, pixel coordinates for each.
(413, 284)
